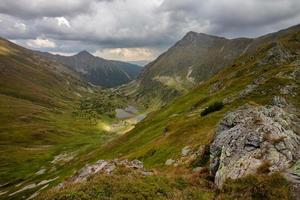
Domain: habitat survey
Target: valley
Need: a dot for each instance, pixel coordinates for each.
(45, 129)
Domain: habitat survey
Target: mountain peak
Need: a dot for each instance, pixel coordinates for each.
(191, 35)
(84, 53)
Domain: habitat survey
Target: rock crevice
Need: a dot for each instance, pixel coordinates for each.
(251, 136)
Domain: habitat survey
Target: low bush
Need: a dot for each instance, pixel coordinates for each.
(256, 187)
(212, 108)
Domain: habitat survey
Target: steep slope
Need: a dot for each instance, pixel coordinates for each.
(98, 71)
(48, 116)
(269, 69)
(193, 59)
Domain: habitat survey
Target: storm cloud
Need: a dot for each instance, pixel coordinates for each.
(136, 29)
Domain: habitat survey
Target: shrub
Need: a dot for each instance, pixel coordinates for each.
(256, 187)
(202, 157)
(264, 168)
(212, 108)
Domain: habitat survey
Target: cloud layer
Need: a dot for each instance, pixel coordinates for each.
(136, 29)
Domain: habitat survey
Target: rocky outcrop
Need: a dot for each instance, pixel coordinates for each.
(191, 157)
(106, 167)
(252, 137)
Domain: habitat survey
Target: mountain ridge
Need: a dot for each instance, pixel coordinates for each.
(97, 70)
(194, 59)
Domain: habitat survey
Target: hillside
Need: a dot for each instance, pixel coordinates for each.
(259, 98)
(48, 117)
(193, 59)
(255, 77)
(98, 71)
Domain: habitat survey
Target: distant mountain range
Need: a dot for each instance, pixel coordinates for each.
(96, 70)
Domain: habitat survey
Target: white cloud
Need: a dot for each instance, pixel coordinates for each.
(127, 54)
(41, 43)
(61, 21)
(20, 27)
(62, 53)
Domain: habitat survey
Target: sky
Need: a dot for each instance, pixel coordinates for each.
(136, 30)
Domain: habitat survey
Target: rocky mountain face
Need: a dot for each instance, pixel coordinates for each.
(196, 58)
(193, 59)
(252, 138)
(98, 71)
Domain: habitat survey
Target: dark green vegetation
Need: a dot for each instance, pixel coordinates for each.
(103, 103)
(257, 187)
(96, 70)
(212, 108)
(125, 184)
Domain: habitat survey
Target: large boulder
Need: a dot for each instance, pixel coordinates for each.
(252, 137)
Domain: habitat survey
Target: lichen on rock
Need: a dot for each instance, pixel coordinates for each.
(251, 136)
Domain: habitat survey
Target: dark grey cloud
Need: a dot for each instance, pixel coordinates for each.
(30, 9)
(101, 25)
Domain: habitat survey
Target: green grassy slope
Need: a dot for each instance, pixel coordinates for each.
(193, 59)
(275, 59)
(41, 116)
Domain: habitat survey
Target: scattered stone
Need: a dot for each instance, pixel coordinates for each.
(19, 184)
(4, 184)
(63, 158)
(185, 151)
(279, 101)
(2, 192)
(165, 131)
(28, 187)
(247, 90)
(229, 99)
(147, 173)
(47, 181)
(288, 90)
(198, 169)
(106, 167)
(37, 192)
(169, 162)
(40, 172)
(250, 136)
(216, 86)
(259, 81)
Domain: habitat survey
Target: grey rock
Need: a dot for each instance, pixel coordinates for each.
(169, 162)
(106, 167)
(185, 151)
(279, 101)
(247, 90)
(250, 136)
(289, 90)
(198, 169)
